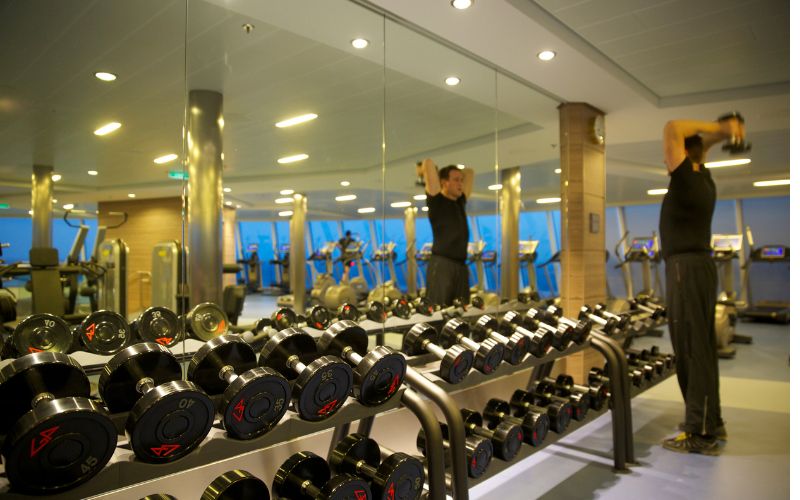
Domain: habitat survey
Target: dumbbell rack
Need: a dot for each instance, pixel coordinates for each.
(124, 471)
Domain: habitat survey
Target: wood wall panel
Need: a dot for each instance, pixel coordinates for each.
(149, 222)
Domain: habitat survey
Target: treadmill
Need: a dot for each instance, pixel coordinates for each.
(767, 310)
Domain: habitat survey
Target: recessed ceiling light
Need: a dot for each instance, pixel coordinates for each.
(69, 206)
(359, 43)
(296, 120)
(165, 159)
(344, 183)
(424, 209)
(30, 212)
(657, 192)
(452, 80)
(226, 190)
(238, 206)
(460, 166)
(420, 197)
(461, 4)
(285, 213)
(558, 170)
(286, 192)
(293, 158)
(777, 182)
(91, 172)
(727, 163)
(105, 76)
(56, 177)
(54, 200)
(222, 156)
(107, 128)
(401, 204)
(283, 201)
(366, 210)
(131, 195)
(546, 55)
(228, 203)
(542, 201)
(495, 187)
(346, 197)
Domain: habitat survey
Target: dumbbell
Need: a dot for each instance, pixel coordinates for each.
(547, 392)
(400, 308)
(534, 423)
(558, 411)
(456, 361)
(423, 305)
(168, 417)
(582, 397)
(282, 318)
(317, 317)
(562, 333)
(349, 311)
(488, 354)
(206, 321)
(378, 373)
(655, 311)
(648, 369)
(644, 356)
(236, 485)
(42, 332)
(158, 324)
(516, 345)
(254, 398)
(507, 437)
(735, 145)
(104, 332)
(479, 450)
(320, 383)
(398, 477)
(376, 311)
(623, 320)
(307, 476)
(668, 359)
(598, 394)
(605, 325)
(539, 341)
(56, 436)
(598, 376)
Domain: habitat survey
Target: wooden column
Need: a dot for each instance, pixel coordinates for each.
(229, 243)
(583, 202)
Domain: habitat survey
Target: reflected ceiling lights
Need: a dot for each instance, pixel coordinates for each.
(131, 195)
(228, 190)
(286, 192)
(107, 128)
(228, 203)
(105, 76)
(283, 201)
(460, 166)
(495, 187)
(366, 210)
(401, 204)
(727, 163)
(461, 4)
(293, 158)
(344, 183)
(546, 55)
(91, 172)
(420, 197)
(285, 213)
(346, 197)
(424, 209)
(452, 80)
(777, 182)
(558, 170)
(56, 177)
(542, 201)
(657, 192)
(296, 120)
(69, 206)
(165, 159)
(359, 43)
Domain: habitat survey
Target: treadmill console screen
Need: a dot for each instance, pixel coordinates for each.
(726, 242)
(643, 246)
(773, 252)
(528, 247)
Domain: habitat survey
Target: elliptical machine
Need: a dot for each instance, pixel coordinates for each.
(322, 281)
(724, 250)
(527, 258)
(386, 291)
(477, 254)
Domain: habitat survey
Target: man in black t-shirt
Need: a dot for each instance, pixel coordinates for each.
(447, 189)
(685, 227)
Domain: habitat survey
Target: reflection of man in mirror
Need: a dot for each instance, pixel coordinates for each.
(447, 190)
(343, 243)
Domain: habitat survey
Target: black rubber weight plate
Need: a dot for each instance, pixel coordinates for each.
(254, 403)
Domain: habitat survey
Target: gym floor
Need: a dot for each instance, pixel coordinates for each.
(754, 462)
